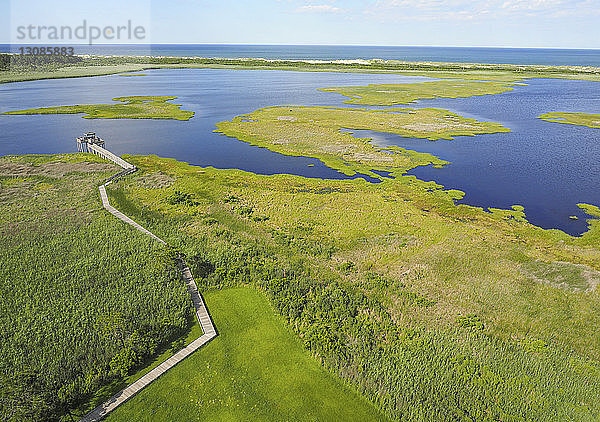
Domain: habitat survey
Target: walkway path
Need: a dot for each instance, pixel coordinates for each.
(201, 313)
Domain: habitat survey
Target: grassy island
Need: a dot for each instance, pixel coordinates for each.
(133, 107)
(392, 94)
(316, 132)
(581, 119)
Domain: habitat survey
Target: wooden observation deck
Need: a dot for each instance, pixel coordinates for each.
(92, 144)
(87, 139)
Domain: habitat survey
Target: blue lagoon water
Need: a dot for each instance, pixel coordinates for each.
(546, 167)
(214, 95)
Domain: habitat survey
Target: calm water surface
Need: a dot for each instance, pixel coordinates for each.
(546, 167)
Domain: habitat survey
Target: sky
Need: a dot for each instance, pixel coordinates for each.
(496, 23)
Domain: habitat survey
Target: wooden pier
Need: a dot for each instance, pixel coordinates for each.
(92, 144)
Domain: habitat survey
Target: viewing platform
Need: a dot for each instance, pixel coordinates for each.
(93, 144)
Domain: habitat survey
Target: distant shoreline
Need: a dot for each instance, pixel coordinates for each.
(455, 54)
(17, 67)
(464, 65)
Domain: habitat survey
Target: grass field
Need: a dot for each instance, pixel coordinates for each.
(466, 259)
(393, 94)
(255, 370)
(581, 119)
(134, 107)
(431, 311)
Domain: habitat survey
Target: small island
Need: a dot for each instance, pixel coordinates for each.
(133, 107)
(391, 94)
(317, 132)
(580, 119)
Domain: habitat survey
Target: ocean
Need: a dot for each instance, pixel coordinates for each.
(531, 56)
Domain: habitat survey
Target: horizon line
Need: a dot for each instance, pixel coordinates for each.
(310, 45)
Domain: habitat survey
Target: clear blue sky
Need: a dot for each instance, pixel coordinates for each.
(510, 23)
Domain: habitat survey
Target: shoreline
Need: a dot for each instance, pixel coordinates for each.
(101, 65)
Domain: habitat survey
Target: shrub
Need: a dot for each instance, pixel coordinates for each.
(182, 198)
(347, 267)
(470, 321)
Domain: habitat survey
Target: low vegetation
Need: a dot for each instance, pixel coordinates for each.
(581, 119)
(133, 107)
(316, 132)
(255, 370)
(392, 94)
(86, 300)
(430, 310)
(433, 311)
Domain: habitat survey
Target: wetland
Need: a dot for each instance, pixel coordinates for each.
(546, 168)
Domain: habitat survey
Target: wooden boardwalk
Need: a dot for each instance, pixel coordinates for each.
(123, 217)
(202, 314)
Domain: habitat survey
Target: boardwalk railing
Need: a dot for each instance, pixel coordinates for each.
(107, 155)
(120, 174)
(208, 328)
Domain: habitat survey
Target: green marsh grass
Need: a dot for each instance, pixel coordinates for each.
(15, 68)
(133, 107)
(437, 318)
(78, 288)
(393, 94)
(317, 132)
(580, 119)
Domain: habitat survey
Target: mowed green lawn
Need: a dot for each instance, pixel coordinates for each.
(255, 370)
